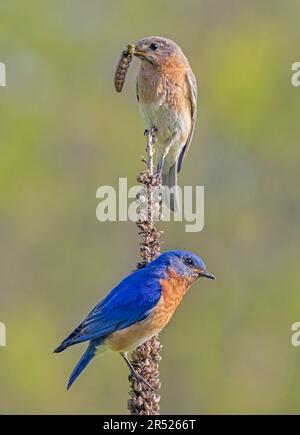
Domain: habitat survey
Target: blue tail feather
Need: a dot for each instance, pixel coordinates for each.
(84, 361)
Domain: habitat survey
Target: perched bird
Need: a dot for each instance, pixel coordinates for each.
(167, 96)
(136, 309)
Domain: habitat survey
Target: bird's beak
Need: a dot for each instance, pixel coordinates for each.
(139, 53)
(205, 274)
(143, 55)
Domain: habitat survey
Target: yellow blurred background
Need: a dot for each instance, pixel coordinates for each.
(64, 132)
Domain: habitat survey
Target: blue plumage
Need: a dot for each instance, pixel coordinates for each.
(129, 303)
(84, 361)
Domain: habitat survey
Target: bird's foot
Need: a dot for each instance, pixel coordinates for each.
(134, 373)
(140, 378)
(151, 131)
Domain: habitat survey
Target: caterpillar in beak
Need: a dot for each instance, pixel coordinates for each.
(122, 67)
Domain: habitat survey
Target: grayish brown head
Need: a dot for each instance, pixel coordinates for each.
(156, 49)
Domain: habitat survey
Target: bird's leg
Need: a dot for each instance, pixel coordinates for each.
(134, 372)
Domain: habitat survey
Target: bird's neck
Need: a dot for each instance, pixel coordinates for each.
(157, 81)
(175, 287)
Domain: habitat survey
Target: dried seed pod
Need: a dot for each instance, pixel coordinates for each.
(122, 67)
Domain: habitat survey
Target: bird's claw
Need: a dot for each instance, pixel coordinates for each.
(140, 378)
(151, 131)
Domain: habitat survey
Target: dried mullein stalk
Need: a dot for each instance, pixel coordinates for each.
(145, 359)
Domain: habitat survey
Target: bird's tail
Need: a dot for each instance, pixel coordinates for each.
(88, 355)
(170, 180)
(70, 340)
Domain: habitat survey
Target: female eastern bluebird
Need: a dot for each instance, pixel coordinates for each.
(136, 309)
(167, 97)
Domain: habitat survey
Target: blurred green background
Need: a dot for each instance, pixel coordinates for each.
(65, 131)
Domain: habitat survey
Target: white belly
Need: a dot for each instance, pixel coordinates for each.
(169, 123)
(159, 115)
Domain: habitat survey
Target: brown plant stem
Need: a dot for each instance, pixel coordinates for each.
(145, 359)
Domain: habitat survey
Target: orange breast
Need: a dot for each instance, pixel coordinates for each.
(173, 290)
(163, 83)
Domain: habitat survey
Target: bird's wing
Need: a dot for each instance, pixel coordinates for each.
(130, 302)
(192, 96)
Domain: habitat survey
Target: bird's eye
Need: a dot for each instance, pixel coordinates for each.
(153, 46)
(188, 261)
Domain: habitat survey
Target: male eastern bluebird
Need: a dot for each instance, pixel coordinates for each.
(136, 309)
(167, 97)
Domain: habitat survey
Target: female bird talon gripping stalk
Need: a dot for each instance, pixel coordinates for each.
(151, 132)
